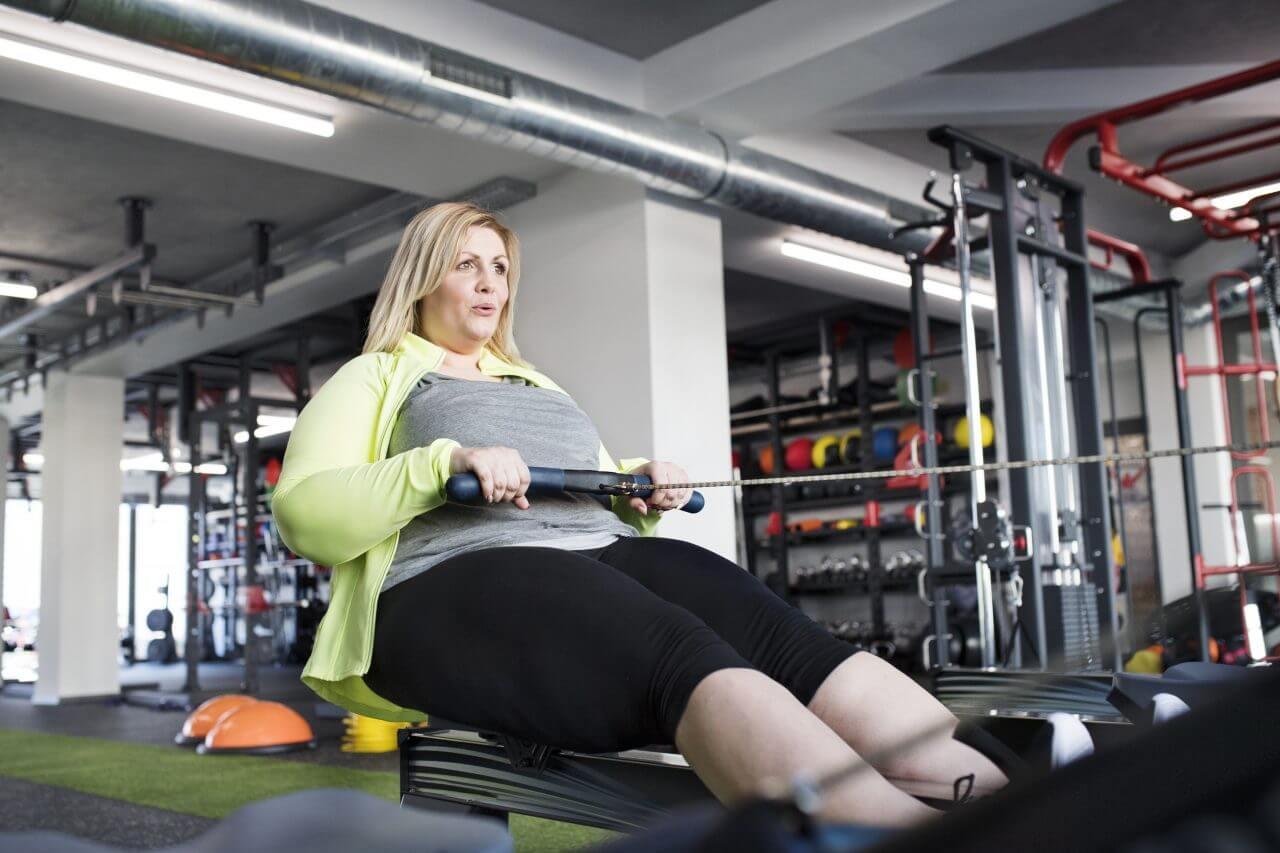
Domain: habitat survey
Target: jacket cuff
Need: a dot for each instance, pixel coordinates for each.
(645, 525)
(430, 470)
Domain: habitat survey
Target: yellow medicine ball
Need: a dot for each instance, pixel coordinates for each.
(828, 444)
(960, 433)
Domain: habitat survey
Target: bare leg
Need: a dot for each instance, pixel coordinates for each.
(741, 730)
(873, 706)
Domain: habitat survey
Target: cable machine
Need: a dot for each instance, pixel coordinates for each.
(1056, 528)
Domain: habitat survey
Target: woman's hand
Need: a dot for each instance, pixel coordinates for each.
(502, 473)
(662, 499)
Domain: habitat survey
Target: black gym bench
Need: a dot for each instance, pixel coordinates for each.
(452, 767)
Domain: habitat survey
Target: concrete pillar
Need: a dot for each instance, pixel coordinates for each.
(1213, 471)
(81, 484)
(621, 302)
(4, 459)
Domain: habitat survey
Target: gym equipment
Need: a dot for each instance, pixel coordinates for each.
(162, 649)
(765, 459)
(199, 722)
(259, 728)
(884, 444)
(909, 431)
(960, 432)
(826, 451)
(851, 447)
(907, 385)
(320, 820)
(366, 734)
(799, 454)
(465, 488)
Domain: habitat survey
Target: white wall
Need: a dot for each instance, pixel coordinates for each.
(1213, 471)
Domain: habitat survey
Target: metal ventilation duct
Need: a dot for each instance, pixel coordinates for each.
(319, 49)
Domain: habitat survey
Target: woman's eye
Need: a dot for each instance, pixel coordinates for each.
(502, 270)
(463, 264)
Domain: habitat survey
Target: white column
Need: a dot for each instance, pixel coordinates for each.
(1213, 471)
(81, 484)
(621, 302)
(5, 463)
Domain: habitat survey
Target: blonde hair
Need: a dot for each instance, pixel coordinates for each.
(428, 247)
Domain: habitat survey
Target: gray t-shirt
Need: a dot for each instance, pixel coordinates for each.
(545, 426)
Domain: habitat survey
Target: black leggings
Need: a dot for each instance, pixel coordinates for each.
(589, 650)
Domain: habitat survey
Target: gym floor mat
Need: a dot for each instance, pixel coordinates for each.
(165, 777)
(28, 806)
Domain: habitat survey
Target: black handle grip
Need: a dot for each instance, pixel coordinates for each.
(465, 488)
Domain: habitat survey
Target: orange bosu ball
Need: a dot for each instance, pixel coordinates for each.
(262, 728)
(205, 717)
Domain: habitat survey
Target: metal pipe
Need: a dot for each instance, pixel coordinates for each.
(973, 413)
(325, 51)
(49, 301)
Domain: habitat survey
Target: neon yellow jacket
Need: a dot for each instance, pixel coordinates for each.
(341, 502)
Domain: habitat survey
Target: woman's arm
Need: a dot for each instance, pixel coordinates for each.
(332, 503)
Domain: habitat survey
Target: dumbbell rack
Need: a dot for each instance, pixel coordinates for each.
(778, 342)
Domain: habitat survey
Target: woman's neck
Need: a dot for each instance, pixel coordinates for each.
(458, 361)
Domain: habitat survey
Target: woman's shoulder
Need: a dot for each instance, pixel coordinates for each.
(370, 368)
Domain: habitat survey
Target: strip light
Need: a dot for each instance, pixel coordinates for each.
(17, 290)
(1230, 201)
(152, 84)
(145, 462)
(881, 273)
(268, 425)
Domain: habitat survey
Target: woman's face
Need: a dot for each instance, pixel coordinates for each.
(462, 314)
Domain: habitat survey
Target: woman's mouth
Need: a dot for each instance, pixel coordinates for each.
(484, 309)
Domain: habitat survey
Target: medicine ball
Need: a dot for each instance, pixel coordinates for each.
(884, 444)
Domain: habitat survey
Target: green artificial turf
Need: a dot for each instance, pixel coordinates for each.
(214, 786)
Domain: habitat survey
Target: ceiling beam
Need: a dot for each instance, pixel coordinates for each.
(780, 63)
(1037, 97)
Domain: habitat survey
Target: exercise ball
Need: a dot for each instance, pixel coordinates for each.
(766, 459)
(826, 451)
(851, 446)
(259, 727)
(960, 433)
(207, 715)
(799, 453)
(884, 444)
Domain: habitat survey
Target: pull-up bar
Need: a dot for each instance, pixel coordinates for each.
(1154, 180)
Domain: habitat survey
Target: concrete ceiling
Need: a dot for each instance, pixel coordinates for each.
(1143, 32)
(637, 30)
(843, 86)
(61, 176)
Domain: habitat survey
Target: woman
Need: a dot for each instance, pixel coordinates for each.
(558, 620)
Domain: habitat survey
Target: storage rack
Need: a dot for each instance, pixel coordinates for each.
(770, 345)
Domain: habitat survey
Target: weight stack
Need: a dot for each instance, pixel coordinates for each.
(1071, 628)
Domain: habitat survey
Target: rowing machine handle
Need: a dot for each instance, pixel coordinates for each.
(465, 488)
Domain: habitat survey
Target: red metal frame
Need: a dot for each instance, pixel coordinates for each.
(1255, 368)
(1153, 181)
(1139, 269)
(1247, 368)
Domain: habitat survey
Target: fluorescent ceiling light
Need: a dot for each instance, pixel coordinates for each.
(152, 84)
(1230, 201)
(269, 425)
(18, 290)
(880, 273)
(145, 462)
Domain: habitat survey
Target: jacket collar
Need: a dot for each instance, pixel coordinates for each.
(421, 350)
